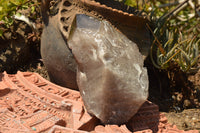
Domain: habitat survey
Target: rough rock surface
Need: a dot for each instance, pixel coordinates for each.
(110, 76)
(29, 103)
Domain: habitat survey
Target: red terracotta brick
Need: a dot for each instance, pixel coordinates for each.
(60, 129)
(31, 95)
(29, 103)
(10, 122)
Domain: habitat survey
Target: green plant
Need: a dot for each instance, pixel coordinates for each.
(185, 53)
(176, 33)
(9, 8)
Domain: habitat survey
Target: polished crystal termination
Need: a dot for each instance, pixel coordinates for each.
(110, 75)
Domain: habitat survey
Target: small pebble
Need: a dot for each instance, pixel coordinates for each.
(34, 128)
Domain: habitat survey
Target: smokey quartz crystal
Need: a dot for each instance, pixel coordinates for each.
(110, 76)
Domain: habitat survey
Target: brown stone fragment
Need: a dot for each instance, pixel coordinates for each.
(146, 118)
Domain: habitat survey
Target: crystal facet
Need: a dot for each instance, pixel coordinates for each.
(110, 75)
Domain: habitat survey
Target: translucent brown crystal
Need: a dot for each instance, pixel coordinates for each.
(110, 75)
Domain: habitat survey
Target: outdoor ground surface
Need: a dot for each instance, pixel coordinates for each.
(18, 55)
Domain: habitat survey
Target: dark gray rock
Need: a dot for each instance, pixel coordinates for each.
(56, 55)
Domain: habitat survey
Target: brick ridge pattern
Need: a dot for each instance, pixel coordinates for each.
(30, 103)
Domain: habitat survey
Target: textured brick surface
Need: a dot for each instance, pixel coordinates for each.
(29, 103)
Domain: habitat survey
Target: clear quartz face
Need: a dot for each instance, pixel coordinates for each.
(111, 77)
